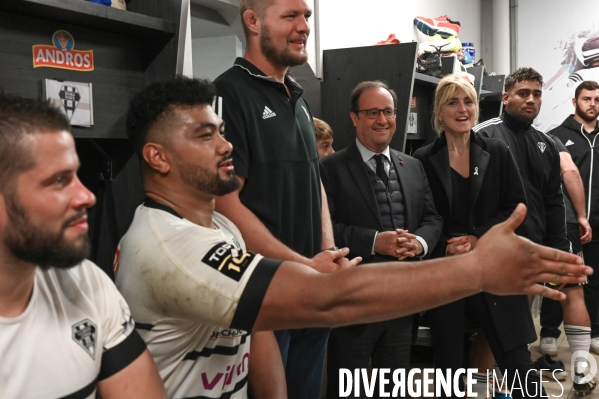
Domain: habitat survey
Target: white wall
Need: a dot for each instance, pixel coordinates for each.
(545, 25)
(214, 55)
(311, 45)
(186, 59)
(356, 23)
(485, 50)
(218, 55)
(545, 29)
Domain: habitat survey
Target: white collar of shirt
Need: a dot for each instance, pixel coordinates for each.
(367, 156)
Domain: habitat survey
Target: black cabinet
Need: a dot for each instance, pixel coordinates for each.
(394, 64)
(343, 69)
(128, 53)
(131, 49)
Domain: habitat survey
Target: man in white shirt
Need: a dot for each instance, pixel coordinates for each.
(65, 331)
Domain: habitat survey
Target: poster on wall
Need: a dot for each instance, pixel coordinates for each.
(73, 98)
(62, 54)
(567, 55)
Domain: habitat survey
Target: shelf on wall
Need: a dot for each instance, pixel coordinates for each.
(91, 15)
(484, 94)
(426, 78)
(423, 90)
(431, 80)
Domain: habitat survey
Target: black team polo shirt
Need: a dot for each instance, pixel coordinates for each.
(274, 148)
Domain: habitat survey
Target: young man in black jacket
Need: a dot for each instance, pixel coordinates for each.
(538, 162)
(580, 135)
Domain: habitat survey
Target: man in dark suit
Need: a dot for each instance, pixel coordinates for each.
(382, 209)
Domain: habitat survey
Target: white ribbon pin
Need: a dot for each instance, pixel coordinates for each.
(476, 170)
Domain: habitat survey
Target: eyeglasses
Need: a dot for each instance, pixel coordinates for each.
(373, 113)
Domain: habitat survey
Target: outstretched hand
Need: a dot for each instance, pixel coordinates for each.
(527, 263)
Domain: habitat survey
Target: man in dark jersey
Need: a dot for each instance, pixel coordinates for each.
(580, 134)
(579, 232)
(280, 208)
(538, 162)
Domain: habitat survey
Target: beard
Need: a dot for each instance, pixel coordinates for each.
(201, 180)
(584, 116)
(282, 58)
(39, 246)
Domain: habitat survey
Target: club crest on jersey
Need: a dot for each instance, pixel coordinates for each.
(229, 260)
(541, 146)
(85, 333)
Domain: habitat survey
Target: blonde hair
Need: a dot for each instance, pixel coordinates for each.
(323, 130)
(446, 90)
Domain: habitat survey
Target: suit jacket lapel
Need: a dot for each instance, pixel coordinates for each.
(358, 170)
(440, 162)
(404, 185)
(479, 160)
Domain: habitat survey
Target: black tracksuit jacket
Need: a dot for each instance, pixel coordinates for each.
(538, 162)
(584, 148)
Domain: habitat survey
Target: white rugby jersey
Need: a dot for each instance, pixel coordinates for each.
(76, 330)
(195, 292)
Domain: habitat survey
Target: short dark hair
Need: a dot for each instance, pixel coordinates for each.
(147, 106)
(20, 116)
(522, 74)
(367, 85)
(586, 85)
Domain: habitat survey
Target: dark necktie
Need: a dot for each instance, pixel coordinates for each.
(380, 168)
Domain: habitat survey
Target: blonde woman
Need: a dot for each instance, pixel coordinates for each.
(475, 184)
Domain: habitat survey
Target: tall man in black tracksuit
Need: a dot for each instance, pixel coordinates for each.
(539, 164)
(281, 208)
(580, 135)
(579, 231)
